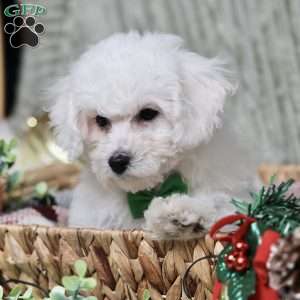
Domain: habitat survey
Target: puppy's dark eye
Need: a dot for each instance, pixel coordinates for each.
(147, 114)
(102, 122)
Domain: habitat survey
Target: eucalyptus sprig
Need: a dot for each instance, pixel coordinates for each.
(16, 294)
(74, 285)
(72, 289)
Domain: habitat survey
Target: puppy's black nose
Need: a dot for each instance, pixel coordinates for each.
(119, 162)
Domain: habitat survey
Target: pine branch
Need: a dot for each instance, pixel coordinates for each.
(273, 208)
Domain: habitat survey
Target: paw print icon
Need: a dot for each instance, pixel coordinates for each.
(24, 31)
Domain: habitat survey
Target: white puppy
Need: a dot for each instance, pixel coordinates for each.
(140, 108)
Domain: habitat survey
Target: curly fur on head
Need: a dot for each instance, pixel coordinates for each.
(125, 73)
(119, 77)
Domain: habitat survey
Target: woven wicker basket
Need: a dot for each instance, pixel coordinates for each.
(125, 263)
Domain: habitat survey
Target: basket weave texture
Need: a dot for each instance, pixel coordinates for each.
(124, 263)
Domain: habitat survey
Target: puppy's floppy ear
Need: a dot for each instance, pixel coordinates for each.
(205, 85)
(64, 118)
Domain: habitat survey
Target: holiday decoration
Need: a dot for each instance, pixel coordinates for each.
(284, 266)
(261, 258)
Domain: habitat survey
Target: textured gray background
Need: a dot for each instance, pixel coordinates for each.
(261, 37)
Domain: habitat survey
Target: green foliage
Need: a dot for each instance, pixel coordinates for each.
(57, 293)
(7, 160)
(42, 195)
(273, 208)
(80, 268)
(7, 155)
(13, 180)
(16, 294)
(74, 285)
(146, 295)
(41, 189)
(72, 288)
(240, 285)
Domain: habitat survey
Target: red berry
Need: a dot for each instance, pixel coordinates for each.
(241, 246)
(230, 260)
(242, 263)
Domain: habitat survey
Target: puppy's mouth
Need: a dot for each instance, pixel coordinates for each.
(129, 183)
(131, 171)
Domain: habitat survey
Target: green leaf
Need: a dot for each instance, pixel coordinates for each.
(10, 158)
(3, 168)
(15, 293)
(1, 292)
(41, 189)
(58, 289)
(274, 209)
(58, 293)
(241, 206)
(223, 273)
(76, 297)
(13, 180)
(253, 238)
(241, 285)
(57, 296)
(71, 283)
(2, 142)
(146, 295)
(12, 144)
(91, 298)
(88, 284)
(6, 148)
(80, 267)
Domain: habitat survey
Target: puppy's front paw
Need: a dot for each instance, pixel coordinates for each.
(177, 216)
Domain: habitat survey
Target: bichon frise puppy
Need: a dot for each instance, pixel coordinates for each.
(145, 113)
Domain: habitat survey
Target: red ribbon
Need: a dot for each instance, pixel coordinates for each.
(217, 290)
(235, 236)
(263, 291)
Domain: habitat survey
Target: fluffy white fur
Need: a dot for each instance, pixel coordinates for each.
(116, 79)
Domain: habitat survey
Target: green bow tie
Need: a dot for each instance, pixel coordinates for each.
(140, 201)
